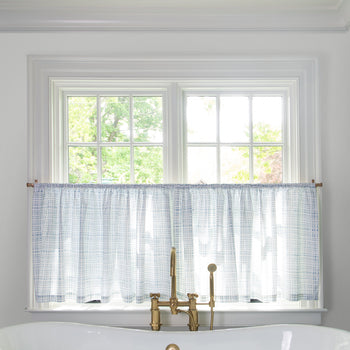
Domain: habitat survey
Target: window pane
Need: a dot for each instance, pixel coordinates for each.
(115, 164)
(268, 164)
(148, 119)
(201, 119)
(82, 164)
(234, 164)
(267, 119)
(201, 165)
(82, 119)
(234, 119)
(148, 164)
(115, 119)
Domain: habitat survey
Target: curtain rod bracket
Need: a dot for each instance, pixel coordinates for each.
(317, 184)
(31, 184)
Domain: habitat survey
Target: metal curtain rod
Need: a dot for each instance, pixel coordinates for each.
(317, 184)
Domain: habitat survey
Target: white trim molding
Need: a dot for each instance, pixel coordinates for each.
(179, 18)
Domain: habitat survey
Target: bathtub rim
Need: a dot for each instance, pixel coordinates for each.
(142, 318)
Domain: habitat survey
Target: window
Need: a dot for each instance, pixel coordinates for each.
(114, 138)
(202, 121)
(229, 135)
(235, 138)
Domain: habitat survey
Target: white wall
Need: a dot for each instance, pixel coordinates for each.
(333, 52)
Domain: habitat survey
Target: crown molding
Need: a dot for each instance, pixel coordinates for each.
(330, 20)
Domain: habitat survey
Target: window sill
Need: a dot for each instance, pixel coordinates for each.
(140, 318)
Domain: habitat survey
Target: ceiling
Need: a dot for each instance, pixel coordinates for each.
(40, 15)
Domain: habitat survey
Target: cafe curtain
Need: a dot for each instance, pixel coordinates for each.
(113, 242)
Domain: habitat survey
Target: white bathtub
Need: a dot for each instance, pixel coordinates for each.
(73, 336)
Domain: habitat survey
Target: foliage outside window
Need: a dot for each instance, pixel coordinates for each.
(228, 138)
(115, 139)
(239, 136)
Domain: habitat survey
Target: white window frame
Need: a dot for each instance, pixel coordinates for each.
(49, 76)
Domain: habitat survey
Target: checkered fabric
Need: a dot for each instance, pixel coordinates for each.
(106, 242)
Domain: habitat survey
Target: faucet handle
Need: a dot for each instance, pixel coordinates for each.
(211, 268)
(154, 295)
(192, 295)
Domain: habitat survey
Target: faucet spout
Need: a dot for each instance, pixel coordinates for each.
(173, 273)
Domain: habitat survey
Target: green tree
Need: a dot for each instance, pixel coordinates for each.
(116, 117)
(267, 161)
(145, 115)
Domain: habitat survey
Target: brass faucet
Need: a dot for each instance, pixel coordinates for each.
(174, 303)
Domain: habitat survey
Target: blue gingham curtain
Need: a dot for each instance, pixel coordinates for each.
(113, 242)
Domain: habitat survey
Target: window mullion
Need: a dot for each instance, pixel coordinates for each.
(65, 140)
(218, 145)
(174, 115)
(184, 141)
(98, 141)
(287, 150)
(131, 121)
(251, 149)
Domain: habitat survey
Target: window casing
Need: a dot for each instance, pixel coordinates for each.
(253, 78)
